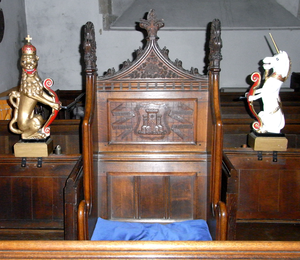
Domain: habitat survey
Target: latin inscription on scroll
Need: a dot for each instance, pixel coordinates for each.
(157, 121)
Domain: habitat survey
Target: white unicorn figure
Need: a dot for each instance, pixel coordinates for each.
(271, 118)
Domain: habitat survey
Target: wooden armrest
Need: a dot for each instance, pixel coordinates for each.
(222, 221)
(82, 221)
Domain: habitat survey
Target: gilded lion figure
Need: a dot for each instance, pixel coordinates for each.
(32, 90)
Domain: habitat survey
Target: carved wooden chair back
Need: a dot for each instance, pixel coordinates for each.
(152, 138)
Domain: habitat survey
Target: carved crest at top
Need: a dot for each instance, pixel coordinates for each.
(152, 25)
(152, 62)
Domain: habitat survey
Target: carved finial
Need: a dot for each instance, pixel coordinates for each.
(215, 44)
(152, 25)
(89, 47)
(28, 38)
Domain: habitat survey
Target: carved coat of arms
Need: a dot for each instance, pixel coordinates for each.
(144, 121)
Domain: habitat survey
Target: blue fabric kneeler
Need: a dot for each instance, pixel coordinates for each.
(190, 230)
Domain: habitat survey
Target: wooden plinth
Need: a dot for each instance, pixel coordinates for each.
(267, 143)
(33, 149)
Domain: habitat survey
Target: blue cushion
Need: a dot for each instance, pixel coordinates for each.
(185, 231)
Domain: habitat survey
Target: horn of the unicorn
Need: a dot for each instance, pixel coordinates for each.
(274, 43)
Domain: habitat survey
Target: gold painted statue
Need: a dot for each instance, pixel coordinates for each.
(32, 90)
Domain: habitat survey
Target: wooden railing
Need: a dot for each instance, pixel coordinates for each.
(148, 250)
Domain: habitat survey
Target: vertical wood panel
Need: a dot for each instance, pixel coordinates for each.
(268, 191)
(202, 122)
(58, 202)
(181, 197)
(7, 140)
(248, 188)
(289, 191)
(152, 197)
(42, 190)
(200, 200)
(21, 198)
(71, 143)
(121, 197)
(101, 195)
(4, 145)
(6, 199)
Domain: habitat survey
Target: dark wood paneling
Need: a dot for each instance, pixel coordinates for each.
(153, 192)
(122, 197)
(182, 196)
(33, 196)
(262, 190)
(57, 206)
(163, 196)
(289, 191)
(266, 194)
(73, 194)
(21, 198)
(6, 191)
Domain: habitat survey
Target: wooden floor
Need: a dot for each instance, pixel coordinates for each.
(245, 231)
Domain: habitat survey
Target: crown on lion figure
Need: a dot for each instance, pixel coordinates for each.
(28, 48)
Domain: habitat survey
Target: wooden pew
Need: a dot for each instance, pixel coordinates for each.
(35, 200)
(259, 189)
(32, 200)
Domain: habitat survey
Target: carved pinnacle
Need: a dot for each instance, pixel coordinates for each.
(152, 25)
